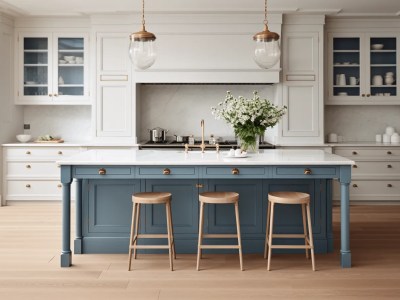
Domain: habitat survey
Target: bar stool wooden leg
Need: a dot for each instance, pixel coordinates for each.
(310, 236)
(303, 213)
(170, 251)
(266, 230)
(200, 235)
(271, 225)
(131, 236)
(136, 229)
(172, 230)
(238, 235)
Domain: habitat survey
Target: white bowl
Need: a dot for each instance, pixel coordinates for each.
(23, 138)
(69, 58)
(377, 46)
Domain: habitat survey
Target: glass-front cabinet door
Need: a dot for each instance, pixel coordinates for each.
(55, 69)
(362, 69)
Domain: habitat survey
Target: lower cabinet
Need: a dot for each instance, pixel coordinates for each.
(107, 212)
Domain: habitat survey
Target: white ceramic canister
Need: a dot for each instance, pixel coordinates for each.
(389, 130)
(332, 138)
(378, 138)
(377, 80)
(386, 138)
(395, 138)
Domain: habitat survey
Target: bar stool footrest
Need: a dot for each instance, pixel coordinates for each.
(219, 247)
(219, 236)
(289, 236)
(149, 247)
(290, 247)
(152, 236)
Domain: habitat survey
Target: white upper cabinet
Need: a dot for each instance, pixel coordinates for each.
(52, 69)
(363, 68)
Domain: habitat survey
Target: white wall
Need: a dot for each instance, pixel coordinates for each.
(10, 115)
(179, 108)
(361, 123)
(72, 123)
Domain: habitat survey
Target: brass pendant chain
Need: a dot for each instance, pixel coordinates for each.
(265, 14)
(143, 21)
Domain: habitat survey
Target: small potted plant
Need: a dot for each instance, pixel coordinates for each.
(248, 117)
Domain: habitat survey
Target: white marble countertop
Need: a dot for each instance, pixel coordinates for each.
(71, 144)
(159, 157)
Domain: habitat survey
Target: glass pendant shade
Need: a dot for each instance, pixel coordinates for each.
(142, 53)
(267, 53)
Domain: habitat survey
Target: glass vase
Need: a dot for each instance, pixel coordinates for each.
(250, 144)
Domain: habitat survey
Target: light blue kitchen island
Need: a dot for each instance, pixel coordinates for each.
(106, 180)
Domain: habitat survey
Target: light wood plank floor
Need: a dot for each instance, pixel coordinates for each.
(29, 265)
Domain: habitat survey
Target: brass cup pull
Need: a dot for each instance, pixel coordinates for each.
(56, 95)
(368, 95)
(28, 166)
(389, 152)
(354, 153)
(355, 166)
(28, 186)
(199, 185)
(166, 171)
(50, 95)
(389, 185)
(307, 172)
(28, 152)
(363, 95)
(102, 171)
(389, 166)
(59, 185)
(355, 185)
(60, 153)
(235, 171)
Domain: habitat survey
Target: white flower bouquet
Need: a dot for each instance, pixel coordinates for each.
(248, 117)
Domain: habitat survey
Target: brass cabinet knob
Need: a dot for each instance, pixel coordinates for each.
(60, 153)
(199, 185)
(354, 153)
(307, 171)
(389, 185)
(355, 185)
(28, 152)
(28, 166)
(50, 95)
(166, 171)
(368, 95)
(59, 185)
(355, 166)
(389, 152)
(55, 95)
(363, 95)
(389, 166)
(235, 171)
(28, 186)
(102, 171)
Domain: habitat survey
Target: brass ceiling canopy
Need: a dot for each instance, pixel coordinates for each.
(143, 35)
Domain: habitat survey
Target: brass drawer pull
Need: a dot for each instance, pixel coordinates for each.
(28, 186)
(389, 152)
(60, 153)
(102, 171)
(199, 185)
(355, 185)
(389, 166)
(28, 166)
(307, 171)
(389, 185)
(59, 185)
(28, 152)
(355, 166)
(363, 95)
(354, 153)
(235, 171)
(166, 171)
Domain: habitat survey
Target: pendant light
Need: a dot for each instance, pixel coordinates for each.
(142, 50)
(267, 52)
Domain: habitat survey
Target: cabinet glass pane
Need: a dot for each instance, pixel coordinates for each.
(71, 66)
(346, 66)
(35, 66)
(383, 66)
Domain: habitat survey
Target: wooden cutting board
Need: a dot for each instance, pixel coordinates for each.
(51, 142)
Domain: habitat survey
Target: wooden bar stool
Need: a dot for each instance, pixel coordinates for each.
(151, 198)
(289, 198)
(219, 198)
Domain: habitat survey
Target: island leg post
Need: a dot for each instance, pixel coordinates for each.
(78, 218)
(66, 254)
(345, 178)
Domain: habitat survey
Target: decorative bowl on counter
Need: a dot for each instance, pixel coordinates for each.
(377, 46)
(23, 138)
(69, 58)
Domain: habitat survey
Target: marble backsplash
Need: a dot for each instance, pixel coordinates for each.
(361, 123)
(72, 123)
(179, 108)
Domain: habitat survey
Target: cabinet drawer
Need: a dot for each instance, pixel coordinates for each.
(376, 169)
(104, 172)
(306, 172)
(50, 153)
(354, 153)
(35, 190)
(32, 169)
(367, 190)
(234, 172)
(167, 172)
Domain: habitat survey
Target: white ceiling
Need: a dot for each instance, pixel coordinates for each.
(87, 7)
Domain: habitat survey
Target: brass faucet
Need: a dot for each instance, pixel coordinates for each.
(203, 144)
